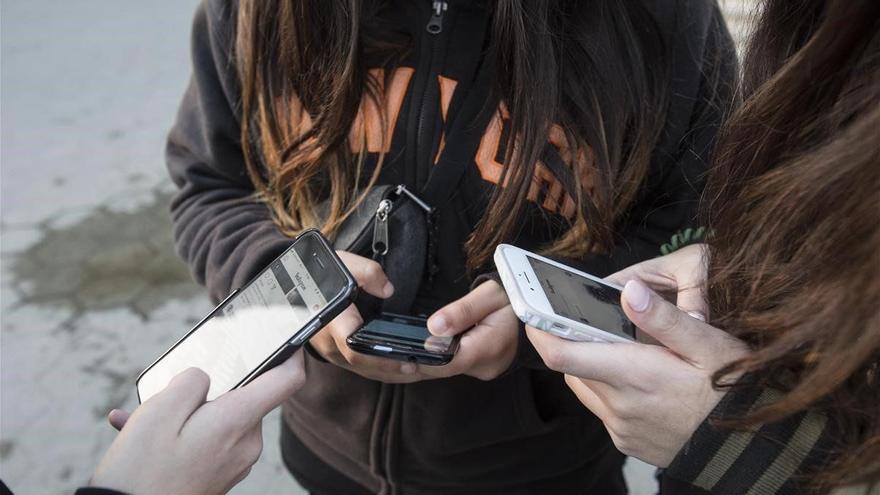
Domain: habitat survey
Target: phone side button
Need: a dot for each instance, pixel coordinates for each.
(306, 332)
(382, 348)
(560, 330)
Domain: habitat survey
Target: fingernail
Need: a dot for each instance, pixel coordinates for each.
(697, 315)
(388, 290)
(407, 368)
(113, 416)
(637, 296)
(437, 325)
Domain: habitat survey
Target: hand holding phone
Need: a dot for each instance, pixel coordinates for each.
(489, 333)
(162, 447)
(331, 344)
(650, 397)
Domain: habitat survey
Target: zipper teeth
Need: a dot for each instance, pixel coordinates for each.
(420, 126)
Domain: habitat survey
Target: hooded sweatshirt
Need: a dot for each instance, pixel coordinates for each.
(523, 432)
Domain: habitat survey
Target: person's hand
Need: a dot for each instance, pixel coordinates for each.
(175, 442)
(681, 276)
(650, 398)
(489, 331)
(330, 341)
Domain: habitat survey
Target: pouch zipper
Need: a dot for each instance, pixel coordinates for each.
(383, 212)
(380, 228)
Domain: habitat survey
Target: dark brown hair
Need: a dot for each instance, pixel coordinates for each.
(597, 69)
(794, 204)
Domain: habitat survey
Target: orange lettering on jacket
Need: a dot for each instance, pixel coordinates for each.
(367, 134)
(545, 189)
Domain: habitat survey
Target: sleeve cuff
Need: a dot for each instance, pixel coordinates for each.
(770, 458)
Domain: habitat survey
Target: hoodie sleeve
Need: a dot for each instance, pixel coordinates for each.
(704, 72)
(224, 235)
(774, 457)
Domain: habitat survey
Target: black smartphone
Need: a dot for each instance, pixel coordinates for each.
(405, 338)
(261, 324)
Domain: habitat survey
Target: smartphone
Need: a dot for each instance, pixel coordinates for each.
(558, 299)
(405, 338)
(261, 324)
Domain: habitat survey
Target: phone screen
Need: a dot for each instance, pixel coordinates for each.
(582, 299)
(257, 321)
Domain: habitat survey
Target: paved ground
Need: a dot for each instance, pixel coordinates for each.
(91, 289)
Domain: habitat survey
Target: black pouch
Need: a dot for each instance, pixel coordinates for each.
(394, 227)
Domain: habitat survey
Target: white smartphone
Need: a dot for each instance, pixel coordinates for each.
(558, 299)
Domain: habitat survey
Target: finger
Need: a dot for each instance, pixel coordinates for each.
(460, 362)
(118, 418)
(588, 397)
(650, 272)
(266, 392)
(330, 342)
(682, 273)
(608, 363)
(345, 325)
(341, 327)
(184, 394)
(488, 349)
(460, 315)
(690, 338)
(692, 300)
(369, 274)
(325, 346)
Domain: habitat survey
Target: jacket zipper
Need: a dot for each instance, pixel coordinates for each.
(426, 90)
(426, 121)
(420, 157)
(435, 24)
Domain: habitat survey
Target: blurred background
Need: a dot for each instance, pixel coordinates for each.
(91, 288)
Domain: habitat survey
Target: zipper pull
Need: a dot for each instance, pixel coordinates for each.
(435, 24)
(380, 229)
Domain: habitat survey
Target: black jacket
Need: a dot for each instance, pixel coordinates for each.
(522, 432)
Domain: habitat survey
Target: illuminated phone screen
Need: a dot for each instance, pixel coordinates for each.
(255, 323)
(582, 299)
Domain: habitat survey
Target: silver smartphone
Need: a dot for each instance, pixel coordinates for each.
(261, 324)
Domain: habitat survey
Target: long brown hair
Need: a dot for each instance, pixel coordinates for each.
(794, 204)
(597, 69)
